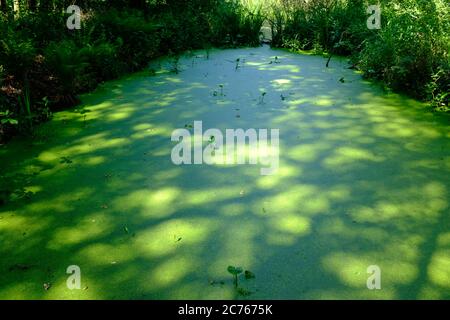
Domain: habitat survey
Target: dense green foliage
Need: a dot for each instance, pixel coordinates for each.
(44, 65)
(409, 53)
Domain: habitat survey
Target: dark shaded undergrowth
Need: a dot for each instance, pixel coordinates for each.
(44, 65)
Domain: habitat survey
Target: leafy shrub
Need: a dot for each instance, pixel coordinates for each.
(136, 37)
(409, 53)
(65, 62)
(438, 89)
(16, 55)
(409, 48)
(233, 24)
(101, 61)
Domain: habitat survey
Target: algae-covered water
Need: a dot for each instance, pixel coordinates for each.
(363, 180)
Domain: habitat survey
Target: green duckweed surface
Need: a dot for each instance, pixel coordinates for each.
(363, 180)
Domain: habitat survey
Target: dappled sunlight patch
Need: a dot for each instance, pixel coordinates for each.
(173, 80)
(337, 226)
(170, 272)
(49, 156)
(281, 82)
(323, 113)
(165, 101)
(92, 107)
(352, 270)
(152, 132)
(89, 289)
(432, 292)
(300, 198)
(290, 200)
(284, 173)
(394, 130)
(306, 152)
(95, 143)
(288, 116)
(93, 161)
(79, 233)
(280, 67)
(436, 190)
(407, 246)
(120, 114)
(161, 131)
(237, 246)
(143, 126)
(439, 269)
(349, 269)
(292, 224)
(166, 237)
(106, 254)
(339, 192)
(347, 155)
(20, 291)
(168, 174)
(385, 211)
(33, 189)
(199, 197)
(222, 103)
(11, 222)
(382, 211)
(323, 102)
(298, 102)
(419, 202)
(151, 203)
(62, 203)
(255, 64)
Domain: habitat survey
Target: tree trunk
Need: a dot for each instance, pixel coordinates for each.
(16, 7)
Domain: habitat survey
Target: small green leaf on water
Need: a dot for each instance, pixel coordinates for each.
(244, 292)
(234, 270)
(65, 160)
(214, 282)
(249, 275)
(126, 229)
